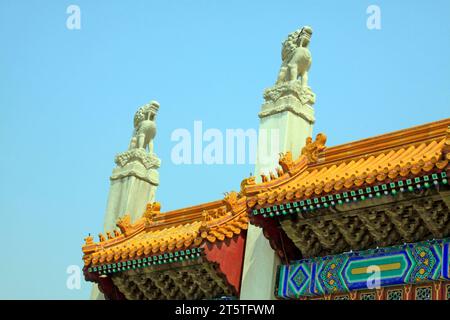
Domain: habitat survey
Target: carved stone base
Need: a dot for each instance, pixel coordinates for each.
(139, 163)
(148, 160)
(133, 185)
(289, 96)
(138, 170)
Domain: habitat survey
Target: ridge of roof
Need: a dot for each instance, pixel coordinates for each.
(326, 157)
(386, 141)
(154, 233)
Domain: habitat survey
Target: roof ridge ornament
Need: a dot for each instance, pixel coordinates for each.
(124, 223)
(446, 149)
(312, 149)
(245, 183)
(152, 210)
(89, 240)
(231, 199)
(286, 161)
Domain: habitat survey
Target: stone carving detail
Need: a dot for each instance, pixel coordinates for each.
(289, 97)
(291, 91)
(148, 160)
(296, 57)
(294, 88)
(140, 160)
(144, 127)
(312, 149)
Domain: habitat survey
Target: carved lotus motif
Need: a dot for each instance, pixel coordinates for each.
(140, 155)
(294, 88)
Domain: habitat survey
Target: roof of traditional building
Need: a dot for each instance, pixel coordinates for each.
(321, 170)
(175, 239)
(315, 205)
(308, 208)
(158, 232)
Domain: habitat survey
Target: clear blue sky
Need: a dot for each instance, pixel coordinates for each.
(67, 99)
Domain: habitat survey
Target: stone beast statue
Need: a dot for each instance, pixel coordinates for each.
(296, 57)
(144, 127)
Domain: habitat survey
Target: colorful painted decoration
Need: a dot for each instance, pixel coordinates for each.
(406, 264)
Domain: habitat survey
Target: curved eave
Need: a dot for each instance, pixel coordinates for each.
(403, 153)
(147, 237)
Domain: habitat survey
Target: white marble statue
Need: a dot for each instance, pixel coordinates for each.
(291, 91)
(296, 57)
(144, 127)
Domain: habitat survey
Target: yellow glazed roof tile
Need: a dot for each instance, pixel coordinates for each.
(157, 232)
(322, 170)
(317, 171)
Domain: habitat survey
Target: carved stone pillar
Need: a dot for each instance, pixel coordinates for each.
(133, 185)
(286, 120)
(135, 178)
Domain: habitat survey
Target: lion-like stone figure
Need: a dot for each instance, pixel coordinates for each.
(144, 127)
(296, 57)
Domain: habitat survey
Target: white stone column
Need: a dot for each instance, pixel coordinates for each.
(135, 178)
(287, 113)
(261, 261)
(133, 186)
